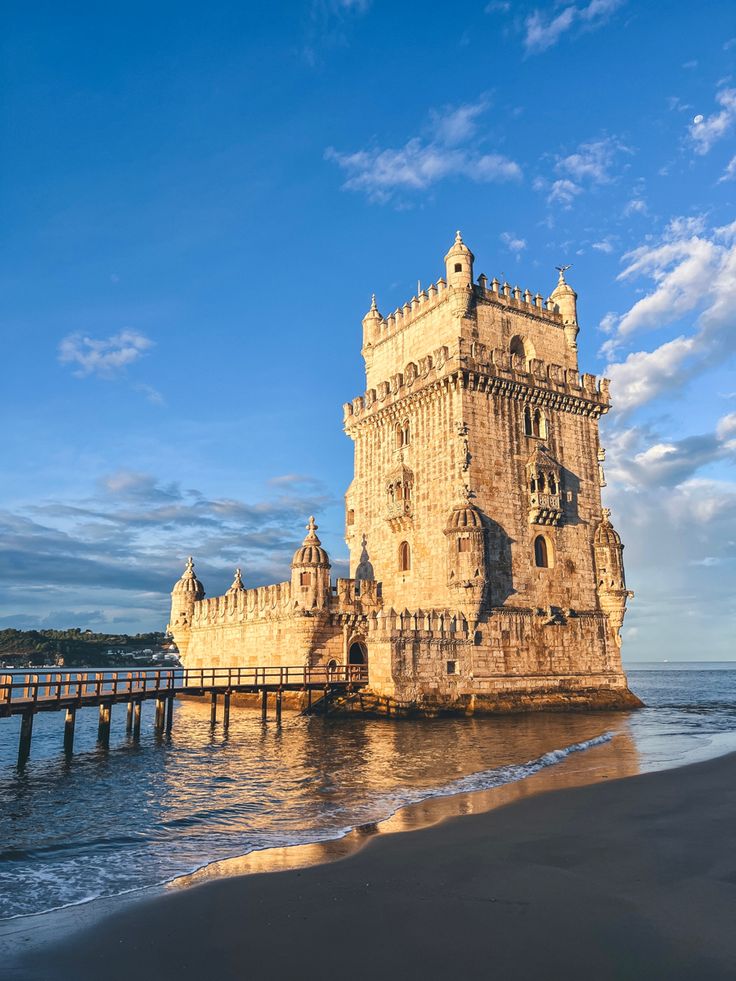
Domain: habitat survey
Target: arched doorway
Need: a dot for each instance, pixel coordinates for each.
(358, 653)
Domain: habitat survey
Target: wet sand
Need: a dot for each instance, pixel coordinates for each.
(629, 878)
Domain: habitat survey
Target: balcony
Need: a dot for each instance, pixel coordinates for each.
(545, 509)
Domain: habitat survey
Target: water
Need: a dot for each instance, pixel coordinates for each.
(107, 823)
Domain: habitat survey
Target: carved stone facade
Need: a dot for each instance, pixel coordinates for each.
(487, 574)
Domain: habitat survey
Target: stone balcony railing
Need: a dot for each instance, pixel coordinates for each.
(545, 509)
(399, 509)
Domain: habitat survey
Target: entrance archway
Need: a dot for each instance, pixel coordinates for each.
(358, 653)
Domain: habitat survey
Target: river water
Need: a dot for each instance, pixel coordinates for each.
(112, 822)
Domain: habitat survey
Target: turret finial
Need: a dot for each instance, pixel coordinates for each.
(562, 270)
(374, 305)
(311, 538)
(458, 237)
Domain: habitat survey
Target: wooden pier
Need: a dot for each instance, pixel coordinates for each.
(55, 691)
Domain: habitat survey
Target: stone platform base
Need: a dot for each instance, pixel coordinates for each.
(370, 703)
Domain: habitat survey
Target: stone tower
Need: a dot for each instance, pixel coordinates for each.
(484, 573)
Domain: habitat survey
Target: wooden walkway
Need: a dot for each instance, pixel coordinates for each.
(52, 691)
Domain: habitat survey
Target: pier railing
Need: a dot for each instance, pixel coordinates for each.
(26, 694)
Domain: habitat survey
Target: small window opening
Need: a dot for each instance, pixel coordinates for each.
(351, 517)
(405, 432)
(552, 485)
(527, 421)
(541, 555)
(452, 667)
(404, 557)
(305, 579)
(458, 267)
(540, 483)
(399, 436)
(463, 544)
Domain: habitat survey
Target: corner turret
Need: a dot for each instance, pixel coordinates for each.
(466, 555)
(186, 592)
(565, 300)
(611, 581)
(310, 572)
(459, 264)
(371, 325)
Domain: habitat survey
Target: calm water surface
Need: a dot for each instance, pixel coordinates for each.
(107, 823)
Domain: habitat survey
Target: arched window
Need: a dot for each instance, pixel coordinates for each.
(405, 432)
(552, 484)
(541, 552)
(463, 544)
(516, 347)
(537, 423)
(399, 431)
(404, 557)
(540, 483)
(527, 421)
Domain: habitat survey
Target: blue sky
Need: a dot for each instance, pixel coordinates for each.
(199, 201)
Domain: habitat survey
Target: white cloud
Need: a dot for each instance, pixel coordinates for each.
(102, 356)
(592, 161)
(514, 243)
(729, 173)
(455, 125)
(543, 32)
(420, 163)
(637, 206)
(707, 130)
(603, 246)
(692, 269)
(563, 192)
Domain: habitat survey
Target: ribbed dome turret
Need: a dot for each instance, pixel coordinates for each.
(311, 551)
(464, 516)
(459, 264)
(605, 533)
(189, 585)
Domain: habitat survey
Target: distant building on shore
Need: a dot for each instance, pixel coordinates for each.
(486, 576)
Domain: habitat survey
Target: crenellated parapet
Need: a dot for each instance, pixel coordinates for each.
(478, 366)
(417, 624)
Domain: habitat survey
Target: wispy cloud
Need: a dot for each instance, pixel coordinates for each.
(693, 272)
(513, 242)
(729, 173)
(123, 547)
(381, 173)
(707, 130)
(592, 164)
(542, 31)
(104, 356)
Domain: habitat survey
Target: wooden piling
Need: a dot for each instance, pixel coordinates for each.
(103, 726)
(129, 718)
(264, 704)
(26, 731)
(137, 719)
(69, 721)
(213, 709)
(309, 701)
(226, 710)
(327, 699)
(160, 714)
(169, 713)
(278, 706)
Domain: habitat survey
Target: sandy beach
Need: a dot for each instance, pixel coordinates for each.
(631, 878)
